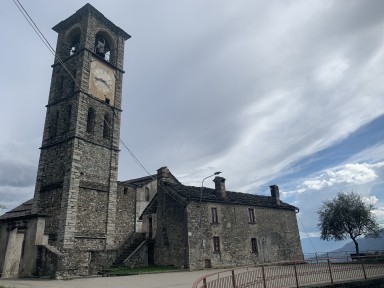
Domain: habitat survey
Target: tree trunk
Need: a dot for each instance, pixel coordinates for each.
(356, 247)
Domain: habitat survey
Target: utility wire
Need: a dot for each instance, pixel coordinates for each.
(305, 230)
(42, 37)
(45, 41)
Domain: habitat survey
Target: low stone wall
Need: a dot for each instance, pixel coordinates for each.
(47, 263)
(52, 263)
(101, 260)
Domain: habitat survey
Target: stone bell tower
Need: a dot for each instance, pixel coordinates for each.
(76, 181)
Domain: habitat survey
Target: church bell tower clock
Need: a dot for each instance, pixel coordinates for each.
(76, 182)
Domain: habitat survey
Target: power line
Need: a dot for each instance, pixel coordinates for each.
(305, 230)
(42, 37)
(45, 41)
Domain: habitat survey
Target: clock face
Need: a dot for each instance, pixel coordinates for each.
(102, 81)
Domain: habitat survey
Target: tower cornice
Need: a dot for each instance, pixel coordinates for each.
(83, 11)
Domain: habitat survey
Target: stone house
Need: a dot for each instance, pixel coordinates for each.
(81, 219)
(199, 227)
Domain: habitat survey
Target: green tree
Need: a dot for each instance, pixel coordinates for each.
(347, 216)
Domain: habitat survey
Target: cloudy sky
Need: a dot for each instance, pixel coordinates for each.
(268, 92)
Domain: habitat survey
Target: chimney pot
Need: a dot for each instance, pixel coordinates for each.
(220, 186)
(163, 173)
(275, 194)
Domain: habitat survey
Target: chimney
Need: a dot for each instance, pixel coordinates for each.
(163, 174)
(220, 186)
(275, 194)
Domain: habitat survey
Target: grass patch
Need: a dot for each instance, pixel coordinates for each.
(143, 270)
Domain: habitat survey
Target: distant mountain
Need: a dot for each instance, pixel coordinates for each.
(365, 244)
(315, 244)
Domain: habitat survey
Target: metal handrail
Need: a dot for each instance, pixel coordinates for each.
(296, 273)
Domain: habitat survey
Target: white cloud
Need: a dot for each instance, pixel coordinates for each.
(370, 200)
(332, 72)
(351, 174)
(379, 214)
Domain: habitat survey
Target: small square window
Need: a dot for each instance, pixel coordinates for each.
(216, 244)
(251, 214)
(254, 245)
(107, 100)
(214, 215)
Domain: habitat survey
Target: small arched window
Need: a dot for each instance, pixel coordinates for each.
(146, 194)
(91, 120)
(107, 126)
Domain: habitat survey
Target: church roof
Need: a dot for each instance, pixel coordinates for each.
(139, 181)
(145, 180)
(188, 194)
(22, 210)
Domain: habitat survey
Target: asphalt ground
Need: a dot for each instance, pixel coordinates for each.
(183, 279)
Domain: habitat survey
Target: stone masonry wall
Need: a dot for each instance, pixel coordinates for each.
(125, 213)
(275, 230)
(171, 242)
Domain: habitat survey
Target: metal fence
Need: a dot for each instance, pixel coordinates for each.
(296, 274)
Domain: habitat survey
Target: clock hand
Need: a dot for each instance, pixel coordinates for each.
(102, 81)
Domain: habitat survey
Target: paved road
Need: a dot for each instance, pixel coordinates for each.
(161, 280)
(277, 276)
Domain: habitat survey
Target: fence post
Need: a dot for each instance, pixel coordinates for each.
(296, 277)
(233, 279)
(362, 265)
(264, 280)
(205, 282)
(330, 270)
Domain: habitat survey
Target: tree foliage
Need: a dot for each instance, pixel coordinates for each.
(347, 216)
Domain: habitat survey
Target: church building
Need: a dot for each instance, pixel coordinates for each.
(82, 220)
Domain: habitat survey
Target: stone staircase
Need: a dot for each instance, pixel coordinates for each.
(128, 247)
(127, 250)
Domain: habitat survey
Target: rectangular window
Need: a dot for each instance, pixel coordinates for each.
(251, 214)
(214, 215)
(216, 244)
(254, 245)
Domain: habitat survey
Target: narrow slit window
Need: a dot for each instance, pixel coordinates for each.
(254, 245)
(146, 194)
(107, 126)
(61, 86)
(91, 120)
(55, 123)
(68, 118)
(251, 214)
(214, 215)
(216, 244)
